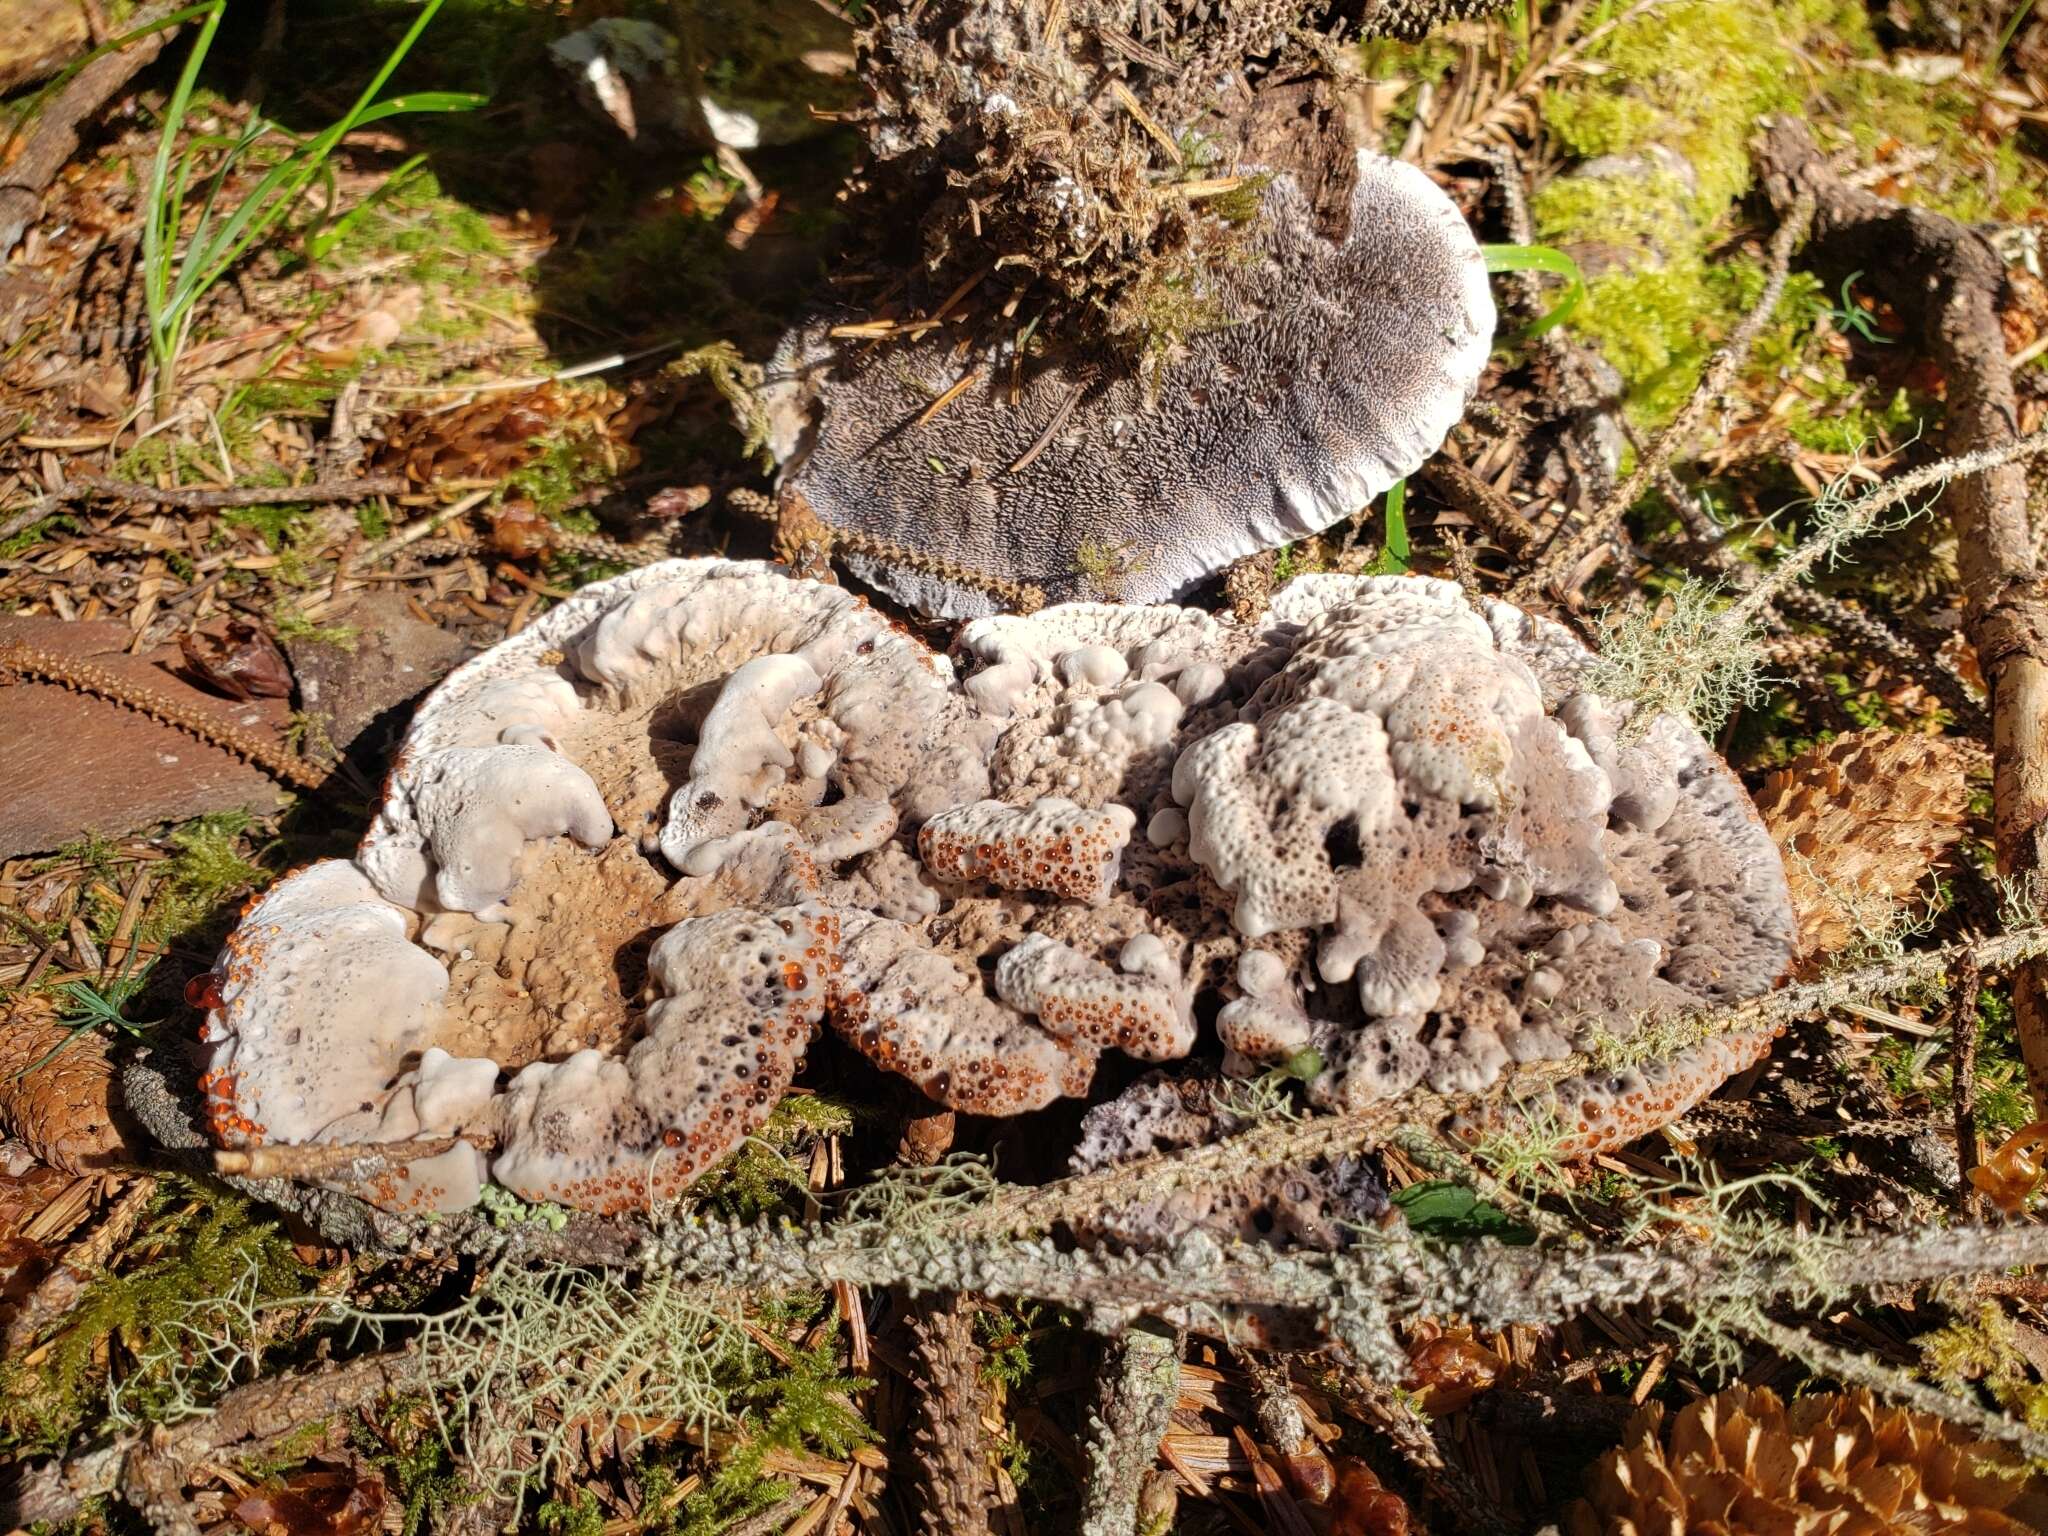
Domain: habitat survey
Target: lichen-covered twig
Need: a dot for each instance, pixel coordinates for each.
(1558, 561)
(804, 541)
(1139, 1384)
(86, 677)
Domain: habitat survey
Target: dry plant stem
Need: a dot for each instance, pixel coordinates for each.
(379, 552)
(954, 1490)
(1946, 281)
(1139, 1385)
(1856, 1370)
(1962, 1036)
(806, 543)
(149, 1470)
(53, 139)
(1500, 117)
(333, 1160)
(1558, 562)
(1487, 507)
(84, 677)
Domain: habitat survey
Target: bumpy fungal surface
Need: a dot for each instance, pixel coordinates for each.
(629, 863)
(1335, 366)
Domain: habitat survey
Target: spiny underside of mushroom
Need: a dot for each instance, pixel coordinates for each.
(631, 861)
(1174, 316)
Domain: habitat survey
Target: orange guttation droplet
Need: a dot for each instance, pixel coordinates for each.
(203, 991)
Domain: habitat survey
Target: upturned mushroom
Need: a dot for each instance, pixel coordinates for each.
(630, 861)
(1330, 369)
(1145, 306)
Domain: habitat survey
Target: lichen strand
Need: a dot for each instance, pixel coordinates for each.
(1379, 825)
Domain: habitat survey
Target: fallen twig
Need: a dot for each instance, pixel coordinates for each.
(202, 498)
(55, 138)
(1945, 282)
(1564, 556)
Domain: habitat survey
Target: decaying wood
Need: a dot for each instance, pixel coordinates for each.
(55, 136)
(1945, 282)
(149, 1470)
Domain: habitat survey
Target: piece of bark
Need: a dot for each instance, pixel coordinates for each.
(1946, 283)
(38, 38)
(53, 138)
(72, 763)
(348, 685)
(64, 1107)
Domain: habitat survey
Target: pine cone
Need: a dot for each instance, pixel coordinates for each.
(64, 1108)
(1860, 821)
(1832, 1464)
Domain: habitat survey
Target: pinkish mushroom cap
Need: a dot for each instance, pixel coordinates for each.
(1382, 825)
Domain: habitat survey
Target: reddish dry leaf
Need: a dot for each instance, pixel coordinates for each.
(243, 664)
(316, 1501)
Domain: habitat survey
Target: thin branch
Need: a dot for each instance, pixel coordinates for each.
(1720, 373)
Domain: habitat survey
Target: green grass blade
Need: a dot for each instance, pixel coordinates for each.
(1541, 258)
(1394, 558)
(158, 241)
(422, 101)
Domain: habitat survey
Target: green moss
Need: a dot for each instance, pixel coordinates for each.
(206, 873)
(1985, 1349)
(293, 625)
(205, 1261)
(765, 1176)
(403, 1442)
(580, 1517)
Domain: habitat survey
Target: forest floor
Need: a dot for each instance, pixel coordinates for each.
(492, 354)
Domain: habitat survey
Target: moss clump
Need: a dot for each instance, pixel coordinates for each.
(204, 874)
(180, 1310)
(1985, 1349)
(764, 1176)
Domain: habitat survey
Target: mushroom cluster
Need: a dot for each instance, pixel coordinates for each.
(631, 860)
